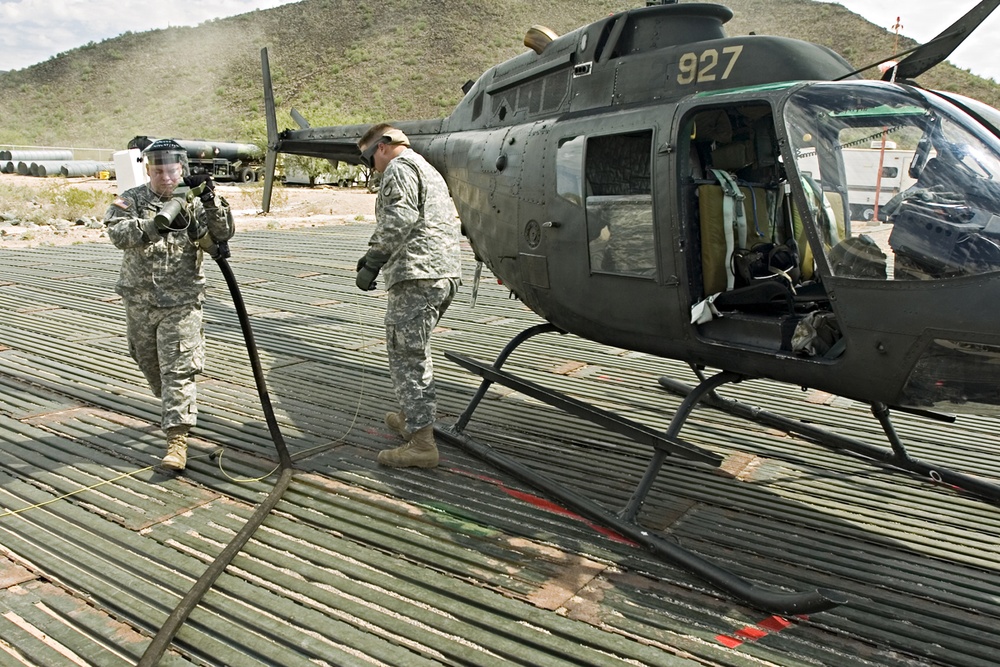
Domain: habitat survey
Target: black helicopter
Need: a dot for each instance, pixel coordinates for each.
(728, 186)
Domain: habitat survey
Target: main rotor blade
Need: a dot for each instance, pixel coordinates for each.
(273, 141)
(939, 48)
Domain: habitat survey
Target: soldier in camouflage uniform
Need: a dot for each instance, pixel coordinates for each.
(416, 246)
(162, 283)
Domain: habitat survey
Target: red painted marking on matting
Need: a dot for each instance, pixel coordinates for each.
(728, 642)
(379, 433)
(774, 623)
(751, 633)
(551, 506)
(759, 630)
(540, 502)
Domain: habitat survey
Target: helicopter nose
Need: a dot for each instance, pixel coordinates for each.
(956, 376)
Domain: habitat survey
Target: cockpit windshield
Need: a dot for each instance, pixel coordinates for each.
(903, 185)
(982, 112)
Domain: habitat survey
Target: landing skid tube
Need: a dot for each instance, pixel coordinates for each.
(624, 522)
(896, 456)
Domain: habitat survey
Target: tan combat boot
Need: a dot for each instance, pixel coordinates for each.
(420, 451)
(397, 422)
(176, 458)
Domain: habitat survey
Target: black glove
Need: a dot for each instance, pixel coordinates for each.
(207, 193)
(366, 279)
(368, 268)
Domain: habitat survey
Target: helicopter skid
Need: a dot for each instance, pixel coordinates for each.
(773, 602)
(608, 420)
(896, 456)
(624, 523)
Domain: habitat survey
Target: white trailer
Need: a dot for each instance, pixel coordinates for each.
(862, 169)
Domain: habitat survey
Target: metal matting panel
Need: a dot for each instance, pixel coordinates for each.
(460, 564)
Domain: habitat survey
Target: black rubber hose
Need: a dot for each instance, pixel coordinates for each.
(169, 629)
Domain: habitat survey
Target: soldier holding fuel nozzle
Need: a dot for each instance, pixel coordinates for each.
(164, 236)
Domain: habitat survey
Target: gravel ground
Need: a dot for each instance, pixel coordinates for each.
(292, 206)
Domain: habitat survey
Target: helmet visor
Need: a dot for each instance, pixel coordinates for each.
(166, 170)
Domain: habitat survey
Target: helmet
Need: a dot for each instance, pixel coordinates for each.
(390, 135)
(166, 151)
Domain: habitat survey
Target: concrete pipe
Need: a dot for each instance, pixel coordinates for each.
(86, 168)
(47, 168)
(38, 155)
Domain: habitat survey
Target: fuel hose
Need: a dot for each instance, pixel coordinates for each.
(179, 615)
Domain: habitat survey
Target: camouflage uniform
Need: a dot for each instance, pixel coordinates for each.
(163, 286)
(418, 230)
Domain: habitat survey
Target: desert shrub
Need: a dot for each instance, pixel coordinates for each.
(41, 205)
(253, 195)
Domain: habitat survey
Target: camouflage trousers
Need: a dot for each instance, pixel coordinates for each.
(168, 344)
(414, 308)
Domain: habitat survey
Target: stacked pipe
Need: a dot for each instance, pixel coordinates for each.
(39, 154)
(46, 168)
(57, 167)
(87, 168)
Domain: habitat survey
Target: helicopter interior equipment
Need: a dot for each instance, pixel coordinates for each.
(707, 177)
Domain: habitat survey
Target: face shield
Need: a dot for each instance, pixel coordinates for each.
(166, 164)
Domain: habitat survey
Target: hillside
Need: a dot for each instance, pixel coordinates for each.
(341, 61)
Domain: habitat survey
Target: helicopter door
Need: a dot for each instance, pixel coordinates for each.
(749, 261)
(603, 246)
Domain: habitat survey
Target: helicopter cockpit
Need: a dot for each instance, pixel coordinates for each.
(918, 181)
(877, 182)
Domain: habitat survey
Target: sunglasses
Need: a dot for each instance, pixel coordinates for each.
(368, 154)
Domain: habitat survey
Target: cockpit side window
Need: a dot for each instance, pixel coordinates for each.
(569, 169)
(619, 202)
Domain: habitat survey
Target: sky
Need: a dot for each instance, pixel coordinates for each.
(32, 31)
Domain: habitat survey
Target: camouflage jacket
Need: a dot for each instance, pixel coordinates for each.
(416, 225)
(162, 270)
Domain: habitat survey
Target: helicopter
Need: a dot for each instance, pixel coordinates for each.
(749, 204)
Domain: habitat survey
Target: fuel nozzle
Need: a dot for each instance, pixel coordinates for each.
(171, 217)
